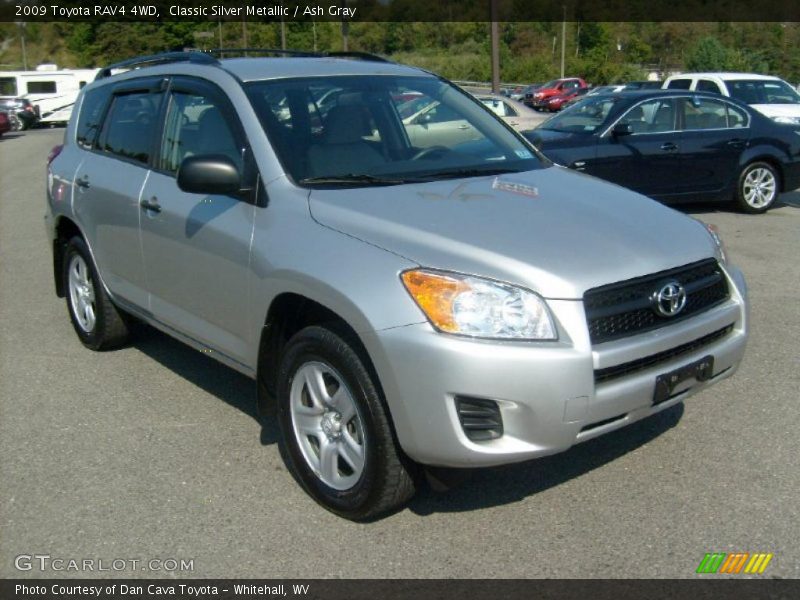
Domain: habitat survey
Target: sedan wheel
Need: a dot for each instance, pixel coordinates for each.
(758, 188)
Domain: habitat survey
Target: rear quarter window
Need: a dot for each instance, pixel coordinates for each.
(90, 119)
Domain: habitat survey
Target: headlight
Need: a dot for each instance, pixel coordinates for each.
(479, 307)
(787, 120)
(713, 231)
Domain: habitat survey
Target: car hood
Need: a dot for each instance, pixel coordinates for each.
(547, 138)
(778, 110)
(554, 231)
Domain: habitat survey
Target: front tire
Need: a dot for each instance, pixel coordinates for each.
(96, 320)
(757, 188)
(336, 437)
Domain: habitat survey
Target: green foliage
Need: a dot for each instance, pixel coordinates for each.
(530, 51)
(709, 54)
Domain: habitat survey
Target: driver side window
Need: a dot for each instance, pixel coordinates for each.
(196, 124)
(653, 116)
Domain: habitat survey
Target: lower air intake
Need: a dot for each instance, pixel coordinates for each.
(480, 419)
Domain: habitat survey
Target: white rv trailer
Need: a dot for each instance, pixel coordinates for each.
(51, 90)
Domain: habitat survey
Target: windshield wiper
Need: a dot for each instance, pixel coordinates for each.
(356, 179)
(469, 172)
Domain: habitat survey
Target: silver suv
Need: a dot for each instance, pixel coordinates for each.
(406, 278)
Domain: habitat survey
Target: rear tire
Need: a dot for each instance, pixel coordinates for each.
(96, 320)
(336, 437)
(757, 188)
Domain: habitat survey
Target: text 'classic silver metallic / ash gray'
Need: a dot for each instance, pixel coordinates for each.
(407, 279)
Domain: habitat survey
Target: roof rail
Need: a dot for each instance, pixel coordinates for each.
(223, 51)
(368, 56)
(299, 53)
(157, 59)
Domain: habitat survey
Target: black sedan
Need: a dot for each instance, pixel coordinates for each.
(677, 146)
(21, 112)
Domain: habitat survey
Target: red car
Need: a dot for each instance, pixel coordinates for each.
(5, 124)
(557, 87)
(556, 103)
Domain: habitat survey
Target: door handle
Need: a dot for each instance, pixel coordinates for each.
(669, 147)
(82, 182)
(151, 205)
(463, 126)
(737, 143)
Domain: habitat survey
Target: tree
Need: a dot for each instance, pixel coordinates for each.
(709, 54)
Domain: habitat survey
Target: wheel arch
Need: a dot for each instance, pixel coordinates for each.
(65, 230)
(765, 157)
(288, 313)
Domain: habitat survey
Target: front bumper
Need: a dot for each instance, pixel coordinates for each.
(546, 391)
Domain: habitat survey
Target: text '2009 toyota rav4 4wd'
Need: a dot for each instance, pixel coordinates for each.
(407, 286)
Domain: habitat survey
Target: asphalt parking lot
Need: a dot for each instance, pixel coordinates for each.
(154, 451)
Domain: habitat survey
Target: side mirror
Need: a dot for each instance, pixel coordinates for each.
(209, 174)
(622, 129)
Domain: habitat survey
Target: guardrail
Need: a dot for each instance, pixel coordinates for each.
(487, 85)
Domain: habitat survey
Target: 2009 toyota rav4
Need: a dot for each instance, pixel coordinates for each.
(404, 290)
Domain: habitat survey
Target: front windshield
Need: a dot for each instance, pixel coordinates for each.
(762, 91)
(383, 130)
(586, 116)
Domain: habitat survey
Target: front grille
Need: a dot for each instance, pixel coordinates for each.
(480, 419)
(621, 309)
(617, 371)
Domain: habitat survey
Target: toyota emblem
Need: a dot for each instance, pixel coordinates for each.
(670, 299)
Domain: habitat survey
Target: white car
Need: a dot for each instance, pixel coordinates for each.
(516, 114)
(769, 95)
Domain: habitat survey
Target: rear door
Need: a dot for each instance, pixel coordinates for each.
(715, 133)
(196, 247)
(109, 181)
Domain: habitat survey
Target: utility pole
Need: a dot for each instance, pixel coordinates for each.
(22, 25)
(283, 30)
(563, 39)
(345, 31)
(495, 34)
(244, 35)
(314, 30)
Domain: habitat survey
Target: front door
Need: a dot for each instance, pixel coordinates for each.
(196, 247)
(648, 159)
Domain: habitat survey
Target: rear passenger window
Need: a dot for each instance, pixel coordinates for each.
(680, 84)
(704, 113)
(129, 127)
(90, 120)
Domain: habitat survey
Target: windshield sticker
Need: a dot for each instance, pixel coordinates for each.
(515, 188)
(524, 153)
